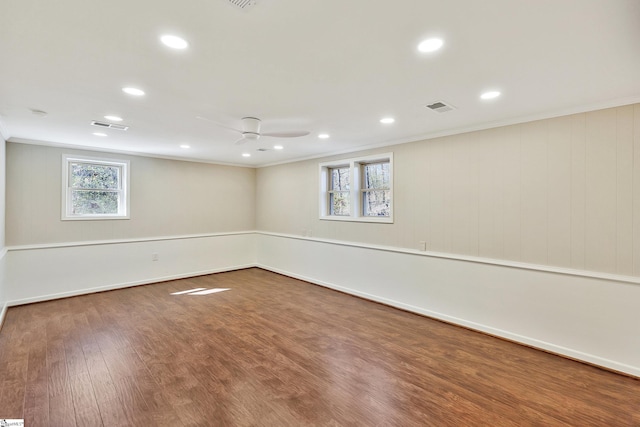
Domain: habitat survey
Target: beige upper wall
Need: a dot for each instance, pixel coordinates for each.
(562, 192)
(168, 198)
(2, 219)
(3, 187)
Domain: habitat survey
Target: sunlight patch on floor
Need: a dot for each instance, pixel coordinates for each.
(201, 291)
(188, 292)
(209, 291)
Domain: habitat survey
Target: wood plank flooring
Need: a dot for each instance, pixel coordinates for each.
(275, 351)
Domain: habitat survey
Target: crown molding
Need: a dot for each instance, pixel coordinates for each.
(123, 152)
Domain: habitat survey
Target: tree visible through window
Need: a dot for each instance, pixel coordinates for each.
(376, 194)
(339, 194)
(95, 189)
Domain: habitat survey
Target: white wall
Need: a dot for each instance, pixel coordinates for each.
(3, 282)
(75, 269)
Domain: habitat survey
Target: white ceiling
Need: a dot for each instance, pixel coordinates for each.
(334, 66)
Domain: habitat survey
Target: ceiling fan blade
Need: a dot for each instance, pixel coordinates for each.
(241, 141)
(218, 124)
(286, 134)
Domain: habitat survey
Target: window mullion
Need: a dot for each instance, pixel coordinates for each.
(355, 179)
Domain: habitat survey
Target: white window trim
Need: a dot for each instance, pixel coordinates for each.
(355, 188)
(66, 215)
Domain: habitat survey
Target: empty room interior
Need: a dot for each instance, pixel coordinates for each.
(320, 213)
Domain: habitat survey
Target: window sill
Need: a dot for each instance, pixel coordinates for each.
(373, 219)
(93, 217)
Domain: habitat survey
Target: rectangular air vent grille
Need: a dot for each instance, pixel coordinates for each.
(440, 107)
(109, 125)
(242, 4)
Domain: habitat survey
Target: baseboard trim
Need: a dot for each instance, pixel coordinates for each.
(568, 353)
(125, 285)
(3, 313)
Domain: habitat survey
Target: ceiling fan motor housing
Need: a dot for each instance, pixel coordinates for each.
(251, 125)
(250, 135)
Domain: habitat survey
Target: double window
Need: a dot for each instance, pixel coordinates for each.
(357, 189)
(94, 188)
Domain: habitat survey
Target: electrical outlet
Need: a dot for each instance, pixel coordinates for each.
(422, 246)
(154, 257)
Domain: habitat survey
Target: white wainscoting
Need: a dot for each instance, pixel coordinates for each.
(585, 316)
(3, 286)
(44, 272)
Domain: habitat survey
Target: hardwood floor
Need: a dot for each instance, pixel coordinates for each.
(275, 351)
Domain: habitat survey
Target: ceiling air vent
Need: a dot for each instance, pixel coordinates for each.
(262, 149)
(242, 4)
(109, 125)
(440, 107)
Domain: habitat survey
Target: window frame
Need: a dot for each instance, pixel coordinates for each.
(356, 188)
(67, 191)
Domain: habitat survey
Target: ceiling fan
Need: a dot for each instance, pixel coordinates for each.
(251, 130)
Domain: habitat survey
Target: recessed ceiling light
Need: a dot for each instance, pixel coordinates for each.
(99, 134)
(246, 155)
(185, 146)
(387, 120)
(490, 95)
(278, 147)
(430, 45)
(323, 136)
(133, 91)
(174, 42)
(113, 118)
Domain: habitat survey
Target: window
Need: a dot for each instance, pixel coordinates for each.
(339, 193)
(357, 189)
(94, 188)
(376, 189)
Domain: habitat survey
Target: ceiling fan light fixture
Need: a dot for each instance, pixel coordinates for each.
(250, 130)
(253, 136)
